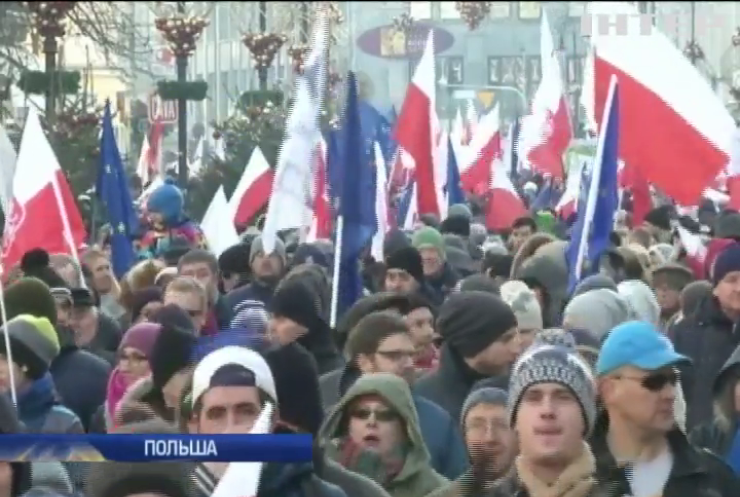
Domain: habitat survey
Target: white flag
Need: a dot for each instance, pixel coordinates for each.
(217, 226)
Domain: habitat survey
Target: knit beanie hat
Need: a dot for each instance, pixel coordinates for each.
(594, 282)
(460, 210)
(524, 303)
(30, 296)
(428, 237)
(171, 352)
(478, 282)
(727, 261)
(293, 300)
(36, 263)
(34, 344)
(235, 259)
(597, 311)
(553, 364)
(456, 225)
(555, 336)
(407, 259)
(257, 248)
(297, 383)
(141, 337)
(471, 321)
(166, 200)
(172, 316)
(485, 395)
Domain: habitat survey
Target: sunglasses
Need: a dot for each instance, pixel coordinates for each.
(655, 382)
(382, 415)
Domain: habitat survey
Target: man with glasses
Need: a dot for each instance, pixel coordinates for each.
(381, 342)
(636, 442)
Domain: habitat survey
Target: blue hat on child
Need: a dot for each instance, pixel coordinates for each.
(638, 344)
(167, 200)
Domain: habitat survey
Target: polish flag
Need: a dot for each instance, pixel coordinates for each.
(475, 172)
(40, 193)
(415, 131)
(150, 159)
(321, 223)
(568, 203)
(547, 131)
(504, 204)
(675, 130)
(253, 190)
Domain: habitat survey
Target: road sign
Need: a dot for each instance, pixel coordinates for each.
(166, 110)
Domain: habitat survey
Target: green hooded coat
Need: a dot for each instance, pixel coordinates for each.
(416, 478)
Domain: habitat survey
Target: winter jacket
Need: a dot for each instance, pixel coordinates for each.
(353, 484)
(416, 477)
(708, 337)
(40, 411)
(254, 291)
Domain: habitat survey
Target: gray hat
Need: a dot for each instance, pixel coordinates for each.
(485, 395)
(256, 248)
(553, 364)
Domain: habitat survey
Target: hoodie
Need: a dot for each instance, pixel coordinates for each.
(416, 478)
(641, 300)
(597, 311)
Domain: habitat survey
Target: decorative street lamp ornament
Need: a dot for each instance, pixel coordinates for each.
(736, 37)
(181, 33)
(403, 23)
(298, 55)
(49, 16)
(263, 47)
(332, 11)
(693, 51)
(473, 13)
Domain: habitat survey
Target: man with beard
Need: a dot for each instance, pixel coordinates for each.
(381, 343)
(267, 269)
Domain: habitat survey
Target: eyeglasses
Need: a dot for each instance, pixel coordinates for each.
(480, 427)
(655, 382)
(382, 415)
(397, 355)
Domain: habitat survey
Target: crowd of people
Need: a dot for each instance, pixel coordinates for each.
(469, 368)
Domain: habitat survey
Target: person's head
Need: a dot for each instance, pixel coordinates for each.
(145, 303)
(267, 267)
(640, 236)
(497, 264)
(231, 385)
(374, 425)
(598, 311)
(188, 294)
(171, 363)
(431, 246)
(551, 404)
(233, 265)
(693, 294)
(203, 266)
(669, 280)
(84, 315)
(404, 271)
(68, 268)
(480, 328)
(657, 222)
(135, 350)
(420, 320)
(637, 378)
(34, 344)
(526, 308)
(489, 438)
(726, 279)
(294, 312)
(381, 343)
(521, 229)
(102, 275)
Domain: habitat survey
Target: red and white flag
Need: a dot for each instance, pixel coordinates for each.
(43, 213)
(381, 205)
(546, 131)
(321, 223)
(673, 128)
(504, 205)
(150, 159)
(568, 203)
(253, 190)
(475, 164)
(415, 130)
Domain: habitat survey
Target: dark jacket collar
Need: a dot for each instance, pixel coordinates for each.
(686, 459)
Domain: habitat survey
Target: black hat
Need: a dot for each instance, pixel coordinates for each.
(172, 352)
(172, 316)
(407, 259)
(294, 300)
(456, 225)
(297, 384)
(82, 298)
(660, 217)
(471, 321)
(234, 260)
(36, 263)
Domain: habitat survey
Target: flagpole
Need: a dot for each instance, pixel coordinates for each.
(337, 267)
(67, 229)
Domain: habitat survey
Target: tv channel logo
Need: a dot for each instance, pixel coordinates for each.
(640, 24)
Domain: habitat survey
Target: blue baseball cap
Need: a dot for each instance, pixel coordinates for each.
(638, 344)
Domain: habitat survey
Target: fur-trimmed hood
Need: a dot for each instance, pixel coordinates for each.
(140, 402)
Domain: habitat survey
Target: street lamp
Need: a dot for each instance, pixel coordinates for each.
(49, 21)
(181, 32)
(473, 13)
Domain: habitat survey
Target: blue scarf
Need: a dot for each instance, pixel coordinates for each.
(733, 455)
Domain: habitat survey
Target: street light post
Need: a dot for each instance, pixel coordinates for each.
(182, 113)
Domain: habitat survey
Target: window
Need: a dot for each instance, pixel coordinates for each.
(494, 70)
(500, 10)
(455, 70)
(530, 10)
(576, 9)
(420, 10)
(534, 70)
(448, 10)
